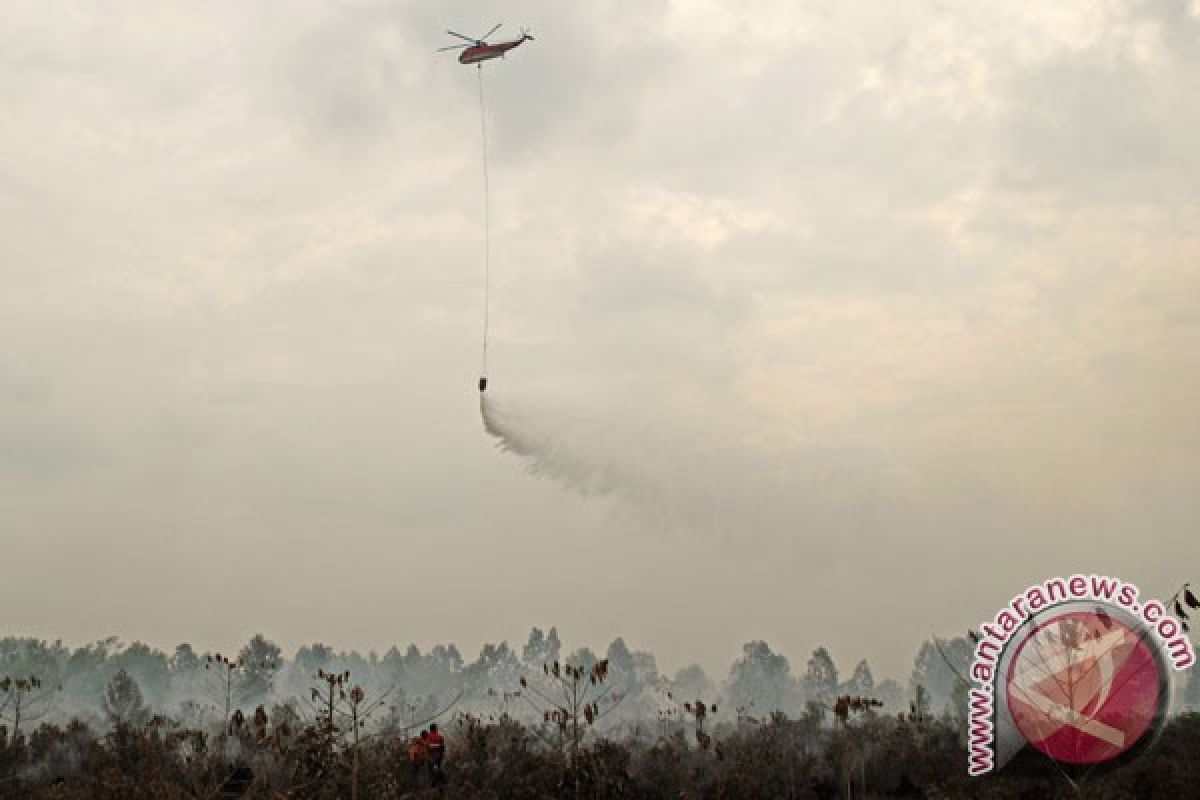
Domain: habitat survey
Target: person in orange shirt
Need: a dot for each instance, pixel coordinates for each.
(418, 755)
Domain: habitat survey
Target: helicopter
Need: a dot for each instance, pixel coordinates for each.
(480, 50)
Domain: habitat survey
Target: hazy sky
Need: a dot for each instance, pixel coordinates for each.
(856, 318)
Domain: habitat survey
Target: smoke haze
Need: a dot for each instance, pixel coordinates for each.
(828, 323)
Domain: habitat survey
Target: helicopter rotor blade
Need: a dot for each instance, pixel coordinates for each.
(464, 38)
(489, 33)
(453, 47)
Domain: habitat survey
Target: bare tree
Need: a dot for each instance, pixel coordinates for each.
(571, 698)
(341, 706)
(696, 711)
(24, 700)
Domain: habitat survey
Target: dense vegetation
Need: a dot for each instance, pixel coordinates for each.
(110, 721)
(879, 756)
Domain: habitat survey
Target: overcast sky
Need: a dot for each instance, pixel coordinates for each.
(860, 318)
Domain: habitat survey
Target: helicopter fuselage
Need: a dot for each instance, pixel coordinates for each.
(483, 52)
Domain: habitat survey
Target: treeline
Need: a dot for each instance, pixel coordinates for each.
(195, 687)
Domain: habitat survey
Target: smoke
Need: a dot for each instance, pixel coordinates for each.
(668, 472)
(561, 453)
(628, 454)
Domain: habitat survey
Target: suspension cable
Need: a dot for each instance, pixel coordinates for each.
(487, 233)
